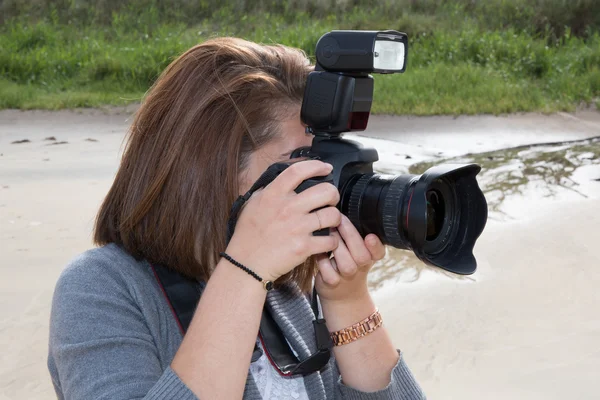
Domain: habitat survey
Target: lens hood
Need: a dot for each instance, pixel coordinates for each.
(457, 222)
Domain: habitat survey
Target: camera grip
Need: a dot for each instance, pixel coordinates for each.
(310, 183)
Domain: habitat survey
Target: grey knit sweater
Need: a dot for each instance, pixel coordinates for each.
(113, 336)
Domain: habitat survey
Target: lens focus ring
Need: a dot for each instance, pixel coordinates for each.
(392, 212)
(355, 200)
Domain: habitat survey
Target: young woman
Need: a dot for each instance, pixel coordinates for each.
(214, 121)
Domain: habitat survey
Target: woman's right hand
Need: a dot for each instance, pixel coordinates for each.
(274, 231)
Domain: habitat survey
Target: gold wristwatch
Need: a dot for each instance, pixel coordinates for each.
(358, 330)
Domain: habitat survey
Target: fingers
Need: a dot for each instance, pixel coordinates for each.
(354, 243)
(328, 217)
(376, 248)
(345, 263)
(322, 244)
(297, 173)
(327, 270)
(323, 194)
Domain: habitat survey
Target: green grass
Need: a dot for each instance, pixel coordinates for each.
(464, 57)
(28, 96)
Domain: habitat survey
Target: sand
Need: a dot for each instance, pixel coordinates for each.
(525, 326)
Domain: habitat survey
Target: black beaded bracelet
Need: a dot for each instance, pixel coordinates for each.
(268, 285)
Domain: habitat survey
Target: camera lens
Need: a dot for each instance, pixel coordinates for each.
(435, 213)
(441, 213)
(438, 215)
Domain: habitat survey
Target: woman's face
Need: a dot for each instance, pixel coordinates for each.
(291, 137)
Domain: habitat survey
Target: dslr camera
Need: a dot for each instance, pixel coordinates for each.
(438, 215)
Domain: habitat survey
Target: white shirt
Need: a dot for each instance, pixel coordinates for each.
(272, 385)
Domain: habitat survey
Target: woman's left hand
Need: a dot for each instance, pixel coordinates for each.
(344, 277)
(345, 300)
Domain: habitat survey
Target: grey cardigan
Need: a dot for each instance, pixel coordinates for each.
(113, 336)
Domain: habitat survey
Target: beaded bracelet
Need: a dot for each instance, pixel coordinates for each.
(268, 285)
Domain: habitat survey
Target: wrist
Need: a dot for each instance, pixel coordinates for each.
(249, 260)
(237, 280)
(341, 314)
(228, 261)
(348, 299)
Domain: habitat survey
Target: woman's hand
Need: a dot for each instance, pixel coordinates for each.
(344, 277)
(367, 363)
(274, 231)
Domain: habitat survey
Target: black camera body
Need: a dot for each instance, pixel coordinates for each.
(440, 214)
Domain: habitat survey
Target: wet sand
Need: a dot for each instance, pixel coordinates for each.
(526, 325)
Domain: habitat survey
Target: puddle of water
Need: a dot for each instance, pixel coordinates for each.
(396, 158)
(516, 182)
(402, 266)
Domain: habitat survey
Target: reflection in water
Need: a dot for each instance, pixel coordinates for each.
(504, 173)
(404, 266)
(508, 172)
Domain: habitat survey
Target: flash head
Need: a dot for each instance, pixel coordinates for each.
(339, 92)
(381, 52)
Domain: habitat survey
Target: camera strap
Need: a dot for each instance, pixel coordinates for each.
(183, 294)
(267, 177)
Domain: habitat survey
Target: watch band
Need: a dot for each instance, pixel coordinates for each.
(358, 330)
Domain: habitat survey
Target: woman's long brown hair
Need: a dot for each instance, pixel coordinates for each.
(190, 140)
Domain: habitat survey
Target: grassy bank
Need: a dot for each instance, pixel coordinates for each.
(465, 57)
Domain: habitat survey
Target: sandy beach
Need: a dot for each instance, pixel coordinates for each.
(526, 325)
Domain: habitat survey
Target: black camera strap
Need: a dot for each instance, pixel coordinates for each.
(183, 294)
(267, 177)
